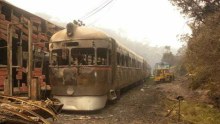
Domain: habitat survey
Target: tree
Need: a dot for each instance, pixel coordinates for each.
(167, 48)
(203, 45)
(168, 56)
(198, 10)
(203, 51)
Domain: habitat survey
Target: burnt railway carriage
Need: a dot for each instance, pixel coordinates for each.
(87, 68)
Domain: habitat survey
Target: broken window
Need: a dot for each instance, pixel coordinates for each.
(86, 56)
(118, 58)
(82, 56)
(103, 56)
(60, 57)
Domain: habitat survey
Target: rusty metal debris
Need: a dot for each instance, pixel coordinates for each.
(14, 109)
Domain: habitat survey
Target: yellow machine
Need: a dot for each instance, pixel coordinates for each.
(163, 72)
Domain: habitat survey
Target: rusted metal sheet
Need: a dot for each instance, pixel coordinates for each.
(3, 71)
(36, 20)
(2, 16)
(39, 45)
(3, 36)
(37, 72)
(2, 26)
(15, 18)
(19, 74)
(3, 31)
(2, 79)
(43, 37)
(4, 22)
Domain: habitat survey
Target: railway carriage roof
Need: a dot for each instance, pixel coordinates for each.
(132, 53)
(81, 32)
(84, 32)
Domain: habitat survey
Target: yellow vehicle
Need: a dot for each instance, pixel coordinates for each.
(163, 73)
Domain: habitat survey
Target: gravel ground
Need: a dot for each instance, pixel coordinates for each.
(143, 104)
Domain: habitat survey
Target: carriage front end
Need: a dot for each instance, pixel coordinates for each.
(80, 69)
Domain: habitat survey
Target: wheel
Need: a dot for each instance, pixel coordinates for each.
(118, 94)
(162, 80)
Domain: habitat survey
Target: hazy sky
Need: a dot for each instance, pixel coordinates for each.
(154, 21)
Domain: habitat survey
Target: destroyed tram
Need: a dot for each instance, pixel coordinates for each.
(87, 68)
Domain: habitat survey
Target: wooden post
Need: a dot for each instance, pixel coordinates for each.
(0, 7)
(30, 58)
(20, 57)
(19, 51)
(35, 89)
(8, 90)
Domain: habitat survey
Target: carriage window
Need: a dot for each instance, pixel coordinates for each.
(123, 60)
(60, 57)
(129, 61)
(82, 56)
(126, 60)
(118, 59)
(103, 56)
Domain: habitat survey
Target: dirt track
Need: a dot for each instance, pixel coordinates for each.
(143, 104)
(152, 103)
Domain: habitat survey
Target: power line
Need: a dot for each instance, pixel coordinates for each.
(96, 10)
(101, 16)
(88, 13)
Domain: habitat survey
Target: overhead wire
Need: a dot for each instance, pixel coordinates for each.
(96, 10)
(101, 16)
(88, 13)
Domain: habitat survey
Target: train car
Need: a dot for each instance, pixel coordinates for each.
(87, 68)
(163, 72)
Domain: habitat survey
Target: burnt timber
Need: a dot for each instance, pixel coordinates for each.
(24, 39)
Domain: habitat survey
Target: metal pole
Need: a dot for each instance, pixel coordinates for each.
(179, 112)
(30, 58)
(179, 98)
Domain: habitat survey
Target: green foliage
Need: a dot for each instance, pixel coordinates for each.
(200, 113)
(194, 113)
